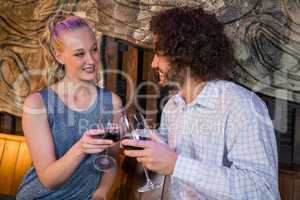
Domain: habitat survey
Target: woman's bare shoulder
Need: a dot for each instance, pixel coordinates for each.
(33, 104)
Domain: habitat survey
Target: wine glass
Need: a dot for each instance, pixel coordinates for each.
(105, 162)
(138, 131)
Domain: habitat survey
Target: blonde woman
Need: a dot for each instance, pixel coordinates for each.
(59, 122)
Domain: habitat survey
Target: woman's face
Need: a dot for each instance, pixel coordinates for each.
(80, 54)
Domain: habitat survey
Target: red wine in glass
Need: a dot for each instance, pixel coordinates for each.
(114, 136)
(109, 135)
(127, 147)
(106, 162)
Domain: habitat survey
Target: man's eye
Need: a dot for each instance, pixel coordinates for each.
(95, 49)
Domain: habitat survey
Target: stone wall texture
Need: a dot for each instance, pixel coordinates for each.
(265, 35)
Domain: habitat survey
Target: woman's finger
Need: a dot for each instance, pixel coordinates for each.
(93, 151)
(95, 132)
(92, 146)
(99, 141)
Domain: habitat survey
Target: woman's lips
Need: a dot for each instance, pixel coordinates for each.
(89, 69)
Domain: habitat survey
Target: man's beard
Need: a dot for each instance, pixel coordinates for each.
(174, 78)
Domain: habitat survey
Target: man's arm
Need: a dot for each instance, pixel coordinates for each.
(251, 165)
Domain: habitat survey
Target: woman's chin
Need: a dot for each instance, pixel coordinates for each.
(89, 78)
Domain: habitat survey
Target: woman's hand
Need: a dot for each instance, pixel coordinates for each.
(91, 143)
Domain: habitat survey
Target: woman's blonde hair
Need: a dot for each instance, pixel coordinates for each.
(51, 42)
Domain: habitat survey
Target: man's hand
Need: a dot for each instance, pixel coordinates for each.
(156, 156)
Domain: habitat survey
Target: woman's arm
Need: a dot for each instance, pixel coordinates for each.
(52, 172)
(109, 176)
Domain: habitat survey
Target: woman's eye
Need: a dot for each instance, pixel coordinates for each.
(79, 54)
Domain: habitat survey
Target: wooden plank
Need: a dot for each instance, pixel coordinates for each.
(296, 153)
(18, 127)
(6, 136)
(152, 89)
(132, 71)
(119, 181)
(7, 166)
(111, 57)
(297, 190)
(286, 187)
(6, 122)
(22, 165)
(2, 145)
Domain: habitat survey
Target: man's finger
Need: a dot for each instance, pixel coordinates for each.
(155, 137)
(135, 143)
(142, 160)
(135, 153)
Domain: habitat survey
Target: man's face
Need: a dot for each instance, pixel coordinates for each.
(161, 64)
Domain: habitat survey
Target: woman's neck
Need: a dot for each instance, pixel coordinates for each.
(72, 86)
(76, 94)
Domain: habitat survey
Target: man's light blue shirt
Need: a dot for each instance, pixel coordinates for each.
(226, 145)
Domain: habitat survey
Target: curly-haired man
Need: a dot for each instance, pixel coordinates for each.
(220, 139)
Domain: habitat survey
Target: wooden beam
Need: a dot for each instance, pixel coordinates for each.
(152, 89)
(111, 57)
(296, 152)
(132, 71)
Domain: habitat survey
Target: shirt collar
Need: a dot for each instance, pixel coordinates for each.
(207, 98)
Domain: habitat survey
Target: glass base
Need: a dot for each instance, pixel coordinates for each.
(104, 163)
(149, 186)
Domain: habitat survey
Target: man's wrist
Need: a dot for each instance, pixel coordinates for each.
(173, 163)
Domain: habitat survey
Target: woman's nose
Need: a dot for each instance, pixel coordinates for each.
(91, 59)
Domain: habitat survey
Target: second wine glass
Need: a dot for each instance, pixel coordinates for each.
(137, 127)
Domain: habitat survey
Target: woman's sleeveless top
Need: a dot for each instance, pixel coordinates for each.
(67, 127)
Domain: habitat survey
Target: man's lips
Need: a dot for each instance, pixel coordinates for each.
(160, 77)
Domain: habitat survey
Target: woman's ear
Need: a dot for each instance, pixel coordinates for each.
(58, 57)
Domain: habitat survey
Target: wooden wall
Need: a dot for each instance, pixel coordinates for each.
(10, 124)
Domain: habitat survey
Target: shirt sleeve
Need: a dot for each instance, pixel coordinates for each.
(162, 131)
(250, 154)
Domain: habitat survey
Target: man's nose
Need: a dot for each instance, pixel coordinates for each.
(155, 62)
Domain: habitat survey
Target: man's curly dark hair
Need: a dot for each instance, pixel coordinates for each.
(193, 39)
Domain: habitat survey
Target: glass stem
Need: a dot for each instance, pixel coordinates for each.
(147, 175)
